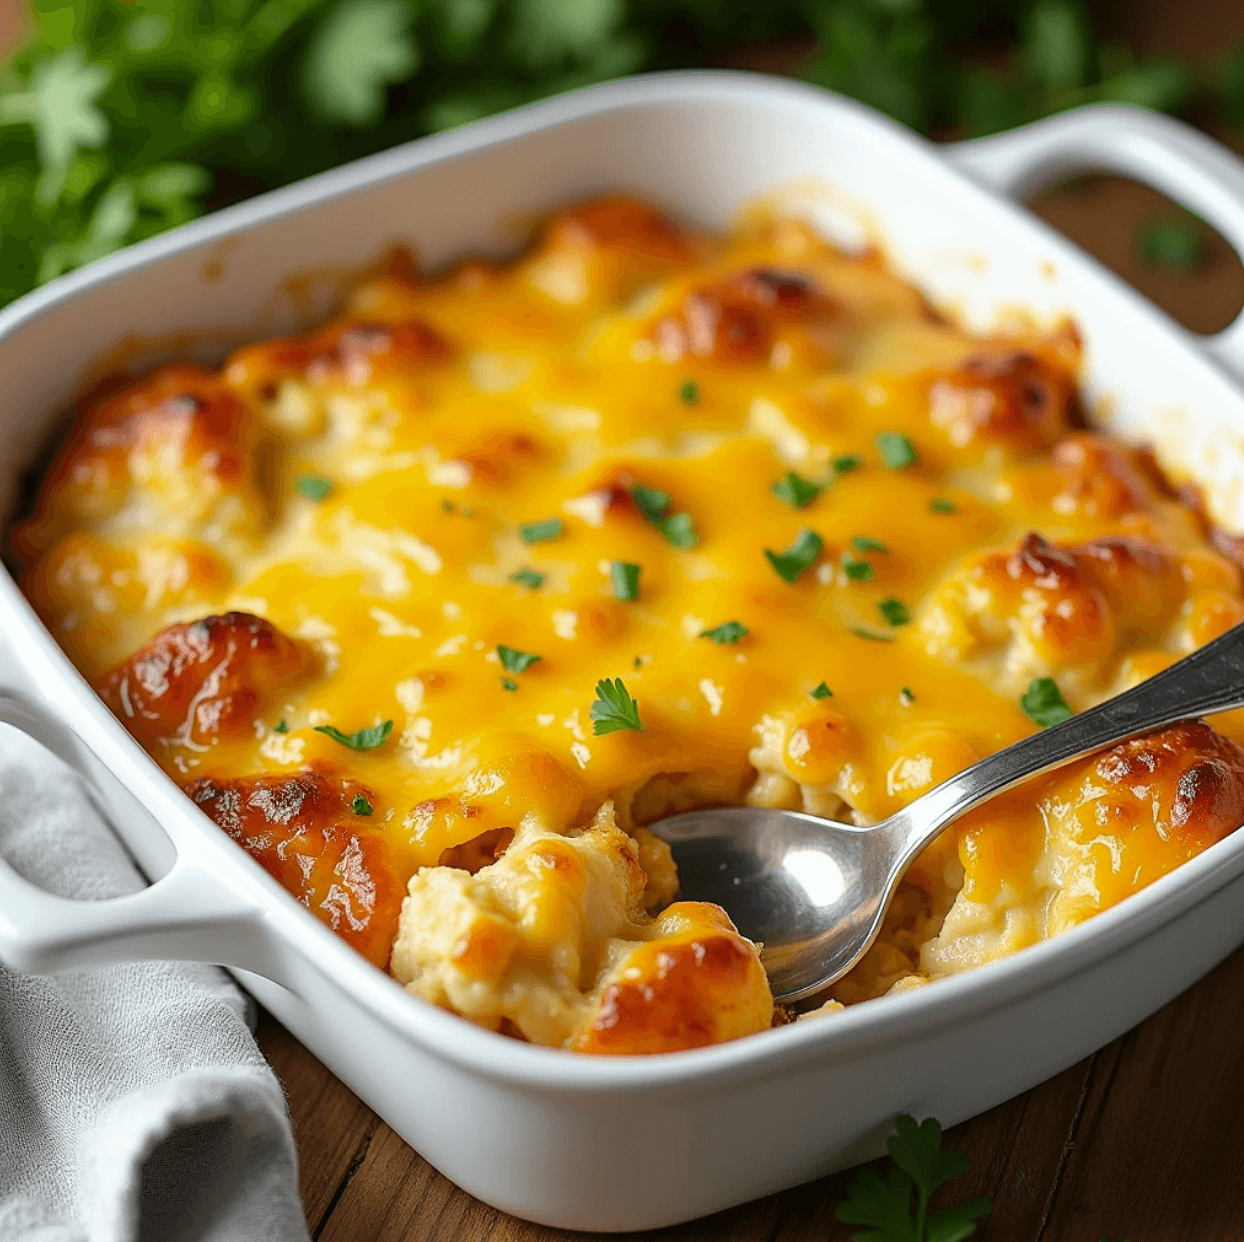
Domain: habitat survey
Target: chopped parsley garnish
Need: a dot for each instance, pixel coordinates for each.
(855, 569)
(637, 662)
(528, 578)
(625, 579)
(861, 543)
(678, 528)
(871, 635)
(281, 726)
(794, 490)
(726, 632)
(689, 392)
(613, 708)
(466, 512)
(515, 661)
(791, 563)
(844, 463)
(313, 486)
(360, 805)
(360, 739)
(894, 611)
(906, 697)
(897, 451)
(822, 692)
(1043, 703)
(540, 532)
(938, 505)
(508, 683)
(447, 505)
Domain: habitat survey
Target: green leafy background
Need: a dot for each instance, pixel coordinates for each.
(118, 120)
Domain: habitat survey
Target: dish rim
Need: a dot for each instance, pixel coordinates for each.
(874, 1024)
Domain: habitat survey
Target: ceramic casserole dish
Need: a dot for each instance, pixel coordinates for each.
(633, 1142)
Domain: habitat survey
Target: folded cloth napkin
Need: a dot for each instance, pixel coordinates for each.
(135, 1105)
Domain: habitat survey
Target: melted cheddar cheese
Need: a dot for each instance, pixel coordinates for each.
(357, 591)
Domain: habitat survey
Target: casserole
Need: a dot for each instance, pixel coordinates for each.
(547, 1136)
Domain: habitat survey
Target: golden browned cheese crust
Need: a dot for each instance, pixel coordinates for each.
(356, 589)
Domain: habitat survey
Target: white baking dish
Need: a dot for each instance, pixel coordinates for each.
(598, 1143)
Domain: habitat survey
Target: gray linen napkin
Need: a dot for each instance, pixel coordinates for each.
(134, 1104)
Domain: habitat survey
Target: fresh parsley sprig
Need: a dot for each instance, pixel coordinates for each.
(799, 556)
(895, 1208)
(360, 739)
(614, 709)
(515, 661)
(726, 632)
(678, 528)
(1043, 703)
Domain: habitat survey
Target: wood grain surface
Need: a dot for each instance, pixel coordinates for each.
(1143, 1141)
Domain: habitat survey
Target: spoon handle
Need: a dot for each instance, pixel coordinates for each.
(1209, 680)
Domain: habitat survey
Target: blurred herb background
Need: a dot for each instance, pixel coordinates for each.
(119, 119)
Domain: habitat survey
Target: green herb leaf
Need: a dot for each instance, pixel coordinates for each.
(281, 726)
(508, 683)
(689, 393)
(651, 503)
(361, 48)
(895, 1208)
(897, 451)
(613, 708)
(855, 569)
(906, 697)
(528, 578)
(894, 611)
(515, 661)
(798, 557)
(540, 532)
(938, 505)
(360, 805)
(795, 491)
(625, 579)
(872, 635)
(313, 486)
(822, 692)
(846, 462)
(1173, 245)
(447, 505)
(726, 632)
(679, 530)
(1043, 703)
(360, 739)
(862, 543)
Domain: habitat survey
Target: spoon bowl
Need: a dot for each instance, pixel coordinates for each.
(813, 892)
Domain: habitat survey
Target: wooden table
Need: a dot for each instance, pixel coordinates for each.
(1144, 1140)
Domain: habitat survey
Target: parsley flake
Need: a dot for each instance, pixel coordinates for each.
(873, 637)
(938, 505)
(689, 393)
(508, 683)
(613, 708)
(894, 611)
(862, 543)
(625, 579)
(897, 451)
(360, 805)
(855, 569)
(1043, 703)
(528, 578)
(799, 556)
(844, 463)
(822, 692)
(540, 532)
(281, 726)
(905, 697)
(360, 739)
(795, 491)
(447, 505)
(678, 528)
(726, 632)
(313, 486)
(515, 661)
(885, 1207)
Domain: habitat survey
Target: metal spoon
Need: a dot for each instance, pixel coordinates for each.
(814, 891)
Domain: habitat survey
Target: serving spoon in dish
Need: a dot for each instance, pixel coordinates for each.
(814, 891)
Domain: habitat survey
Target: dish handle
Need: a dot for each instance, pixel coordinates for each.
(189, 914)
(1181, 162)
